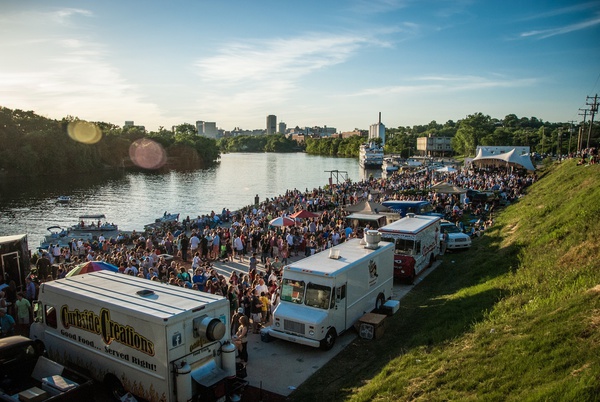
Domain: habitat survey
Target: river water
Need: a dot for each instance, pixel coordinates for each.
(132, 200)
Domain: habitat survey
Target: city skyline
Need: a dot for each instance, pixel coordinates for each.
(309, 63)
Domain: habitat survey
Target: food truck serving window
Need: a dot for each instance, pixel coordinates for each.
(318, 296)
(292, 291)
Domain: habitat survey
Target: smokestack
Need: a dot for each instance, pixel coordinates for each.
(379, 117)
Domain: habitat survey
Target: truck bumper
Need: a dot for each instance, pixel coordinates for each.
(292, 338)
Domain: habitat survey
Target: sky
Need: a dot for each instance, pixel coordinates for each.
(311, 63)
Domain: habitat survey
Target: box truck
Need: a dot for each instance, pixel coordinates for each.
(416, 240)
(323, 295)
(156, 341)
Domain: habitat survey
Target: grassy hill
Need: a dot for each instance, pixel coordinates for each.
(515, 318)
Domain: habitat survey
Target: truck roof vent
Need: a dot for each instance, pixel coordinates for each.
(410, 215)
(372, 238)
(145, 292)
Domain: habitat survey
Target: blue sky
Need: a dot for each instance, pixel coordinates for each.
(335, 63)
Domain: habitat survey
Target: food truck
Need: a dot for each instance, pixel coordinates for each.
(155, 341)
(416, 239)
(325, 294)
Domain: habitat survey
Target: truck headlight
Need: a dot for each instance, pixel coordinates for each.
(277, 324)
(311, 332)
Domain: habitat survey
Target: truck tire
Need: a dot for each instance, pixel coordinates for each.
(329, 340)
(115, 387)
(379, 302)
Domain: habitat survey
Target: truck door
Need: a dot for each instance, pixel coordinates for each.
(339, 304)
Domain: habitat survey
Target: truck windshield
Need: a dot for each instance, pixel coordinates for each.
(318, 296)
(403, 246)
(292, 291)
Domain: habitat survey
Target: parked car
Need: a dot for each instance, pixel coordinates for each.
(25, 374)
(457, 240)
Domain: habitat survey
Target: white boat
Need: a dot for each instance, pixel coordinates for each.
(370, 156)
(63, 199)
(165, 219)
(93, 223)
(390, 165)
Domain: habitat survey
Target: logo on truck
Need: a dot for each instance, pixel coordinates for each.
(108, 329)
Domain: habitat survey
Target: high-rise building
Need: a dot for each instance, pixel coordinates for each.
(207, 128)
(210, 129)
(200, 127)
(377, 130)
(271, 124)
(282, 128)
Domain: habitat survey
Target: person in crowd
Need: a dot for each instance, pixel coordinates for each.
(7, 323)
(240, 339)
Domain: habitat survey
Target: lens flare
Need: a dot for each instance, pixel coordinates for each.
(147, 154)
(84, 132)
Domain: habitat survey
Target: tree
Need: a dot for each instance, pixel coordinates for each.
(471, 131)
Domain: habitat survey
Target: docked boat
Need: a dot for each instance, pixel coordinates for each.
(390, 165)
(63, 199)
(370, 156)
(61, 236)
(93, 223)
(167, 218)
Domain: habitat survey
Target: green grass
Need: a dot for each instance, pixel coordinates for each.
(515, 318)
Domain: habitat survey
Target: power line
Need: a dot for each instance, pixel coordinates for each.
(593, 110)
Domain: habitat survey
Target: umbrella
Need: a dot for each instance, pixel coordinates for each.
(282, 221)
(303, 214)
(92, 266)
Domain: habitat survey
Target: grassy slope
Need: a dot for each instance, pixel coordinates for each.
(516, 318)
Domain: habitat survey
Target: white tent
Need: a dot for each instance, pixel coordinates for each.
(510, 157)
(446, 169)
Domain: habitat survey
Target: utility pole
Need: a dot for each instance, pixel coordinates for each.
(580, 138)
(593, 110)
(570, 134)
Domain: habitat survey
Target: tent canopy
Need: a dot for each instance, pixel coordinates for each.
(447, 188)
(367, 207)
(483, 157)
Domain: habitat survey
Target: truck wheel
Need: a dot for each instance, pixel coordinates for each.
(329, 340)
(115, 387)
(431, 260)
(380, 302)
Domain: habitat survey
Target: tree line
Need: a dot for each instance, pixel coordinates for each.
(466, 134)
(36, 145)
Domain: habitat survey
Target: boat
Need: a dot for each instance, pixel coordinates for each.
(390, 165)
(93, 223)
(63, 199)
(370, 156)
(62, 237)
(165, 219)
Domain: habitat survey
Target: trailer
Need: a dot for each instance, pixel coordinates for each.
(416, 239)
(155, 341)
(325, 294)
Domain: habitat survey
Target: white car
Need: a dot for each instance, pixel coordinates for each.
(457, 240)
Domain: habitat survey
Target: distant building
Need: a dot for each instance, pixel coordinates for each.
(210, 129)
(271, 124)
(130, 124)
(207, 129)
(282, 128)
(377, 130)
(434, 146)
(347, 134)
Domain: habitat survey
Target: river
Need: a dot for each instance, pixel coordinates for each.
(132, 200)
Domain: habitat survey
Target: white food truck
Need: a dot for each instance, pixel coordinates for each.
(417, 244)
(325, 294)
(156, 341)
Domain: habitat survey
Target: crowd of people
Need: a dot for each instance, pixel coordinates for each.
(191, 253)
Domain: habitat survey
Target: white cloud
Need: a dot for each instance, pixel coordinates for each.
(448, 83)
(547, 33)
